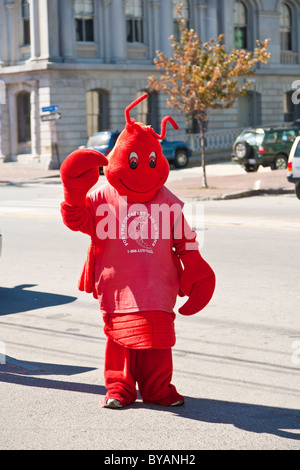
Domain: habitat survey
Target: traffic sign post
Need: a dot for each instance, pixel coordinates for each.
(52, 116)
(54, 140)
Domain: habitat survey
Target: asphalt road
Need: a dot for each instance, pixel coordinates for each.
(237, 362)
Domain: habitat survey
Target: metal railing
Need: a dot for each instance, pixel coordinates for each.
(215, 140)
(223, 139)
(288, 57)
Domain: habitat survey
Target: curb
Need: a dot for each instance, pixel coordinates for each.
(257, 192)
(29, 180)
(242, 194)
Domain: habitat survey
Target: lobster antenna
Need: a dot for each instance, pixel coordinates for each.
(164, 127)
(129, 120)
(166, 119)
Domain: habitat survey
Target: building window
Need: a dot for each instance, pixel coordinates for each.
(191, 124)
(240, 25)
(134, 11)
(84, 20)
(285, 27)
(97, 111)
(26, 22)
(23, 113)
(249, 109)
(185, 15)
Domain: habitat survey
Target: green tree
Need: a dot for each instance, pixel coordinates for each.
(201, 75)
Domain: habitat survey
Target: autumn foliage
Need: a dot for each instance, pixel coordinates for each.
(202, 75)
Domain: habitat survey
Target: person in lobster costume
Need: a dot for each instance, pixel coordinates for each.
(142, 256)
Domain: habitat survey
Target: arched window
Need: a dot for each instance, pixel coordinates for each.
(23, 113)
(285, 27)
(185, 15)
(240, 21)
(134, 11)
(26, 22)
(84, 20)
(97, 111)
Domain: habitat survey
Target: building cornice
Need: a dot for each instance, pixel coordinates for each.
(44, 65)
(37, 66)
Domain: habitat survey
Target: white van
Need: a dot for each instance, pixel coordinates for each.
(293, 167)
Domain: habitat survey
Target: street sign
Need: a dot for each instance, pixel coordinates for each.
(50, 109)
(51, 117)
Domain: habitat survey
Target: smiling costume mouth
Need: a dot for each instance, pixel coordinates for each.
(141, 192)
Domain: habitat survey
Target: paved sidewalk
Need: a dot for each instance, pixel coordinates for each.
(233, 186)
(221, 186)
(15, 174)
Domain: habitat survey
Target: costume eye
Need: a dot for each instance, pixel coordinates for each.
(133, 160)
(152, 160)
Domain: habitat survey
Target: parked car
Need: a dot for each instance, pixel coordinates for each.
(293, 166)
(176, 152)
(265, 147)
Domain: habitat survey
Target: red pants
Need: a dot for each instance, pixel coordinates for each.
(150, 368)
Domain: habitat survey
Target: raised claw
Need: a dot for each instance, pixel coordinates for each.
(79, 173)
(82, 160)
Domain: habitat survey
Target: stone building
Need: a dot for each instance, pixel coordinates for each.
(92, 57)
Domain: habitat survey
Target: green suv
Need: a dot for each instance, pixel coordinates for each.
(264, 146)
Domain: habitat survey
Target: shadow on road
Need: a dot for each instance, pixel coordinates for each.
(17, 299)
(281, 422)
(31, 374)
(261, 419)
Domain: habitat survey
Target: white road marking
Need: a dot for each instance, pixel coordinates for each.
(50, 208)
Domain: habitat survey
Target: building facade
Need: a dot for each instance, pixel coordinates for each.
(91, 58)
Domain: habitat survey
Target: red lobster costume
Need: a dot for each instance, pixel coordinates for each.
(142, 255)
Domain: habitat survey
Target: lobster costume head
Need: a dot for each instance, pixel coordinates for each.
(136, 166)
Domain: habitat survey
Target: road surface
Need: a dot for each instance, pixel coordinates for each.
(237, 362)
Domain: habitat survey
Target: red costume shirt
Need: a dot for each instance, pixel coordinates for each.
(136, 269)
(135, 263)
